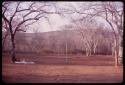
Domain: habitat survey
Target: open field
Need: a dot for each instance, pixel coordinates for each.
(62, 42)
(55, 69)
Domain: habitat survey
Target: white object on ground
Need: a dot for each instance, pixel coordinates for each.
(23, 62)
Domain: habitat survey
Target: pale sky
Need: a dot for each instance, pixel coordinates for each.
(57, 21)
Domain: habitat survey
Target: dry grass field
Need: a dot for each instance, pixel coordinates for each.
(55, 69)
(62, 42)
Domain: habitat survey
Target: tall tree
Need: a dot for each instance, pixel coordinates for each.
(25, 14)
(112, 13)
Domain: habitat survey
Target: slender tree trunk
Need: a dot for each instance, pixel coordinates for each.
(87, 52)
(94, 48)
(120, 54)
(113, 50)
(120, 51)
(13, 49)
(90, 51)
(116, 52)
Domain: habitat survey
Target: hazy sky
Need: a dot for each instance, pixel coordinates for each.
(57, 21)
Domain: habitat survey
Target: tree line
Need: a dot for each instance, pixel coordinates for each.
(17, 16)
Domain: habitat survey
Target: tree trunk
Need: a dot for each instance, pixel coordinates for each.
(120, 51)
(87, 52)
(13, 49)
(87, 49)
(94, 48)
(116, 52)
(90, 51)
(113, 50)
(120, 55)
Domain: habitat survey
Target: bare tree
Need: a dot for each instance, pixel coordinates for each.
(5, 32)
(117, 20)
(27, 15)
(86, 35)
(112, 13)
